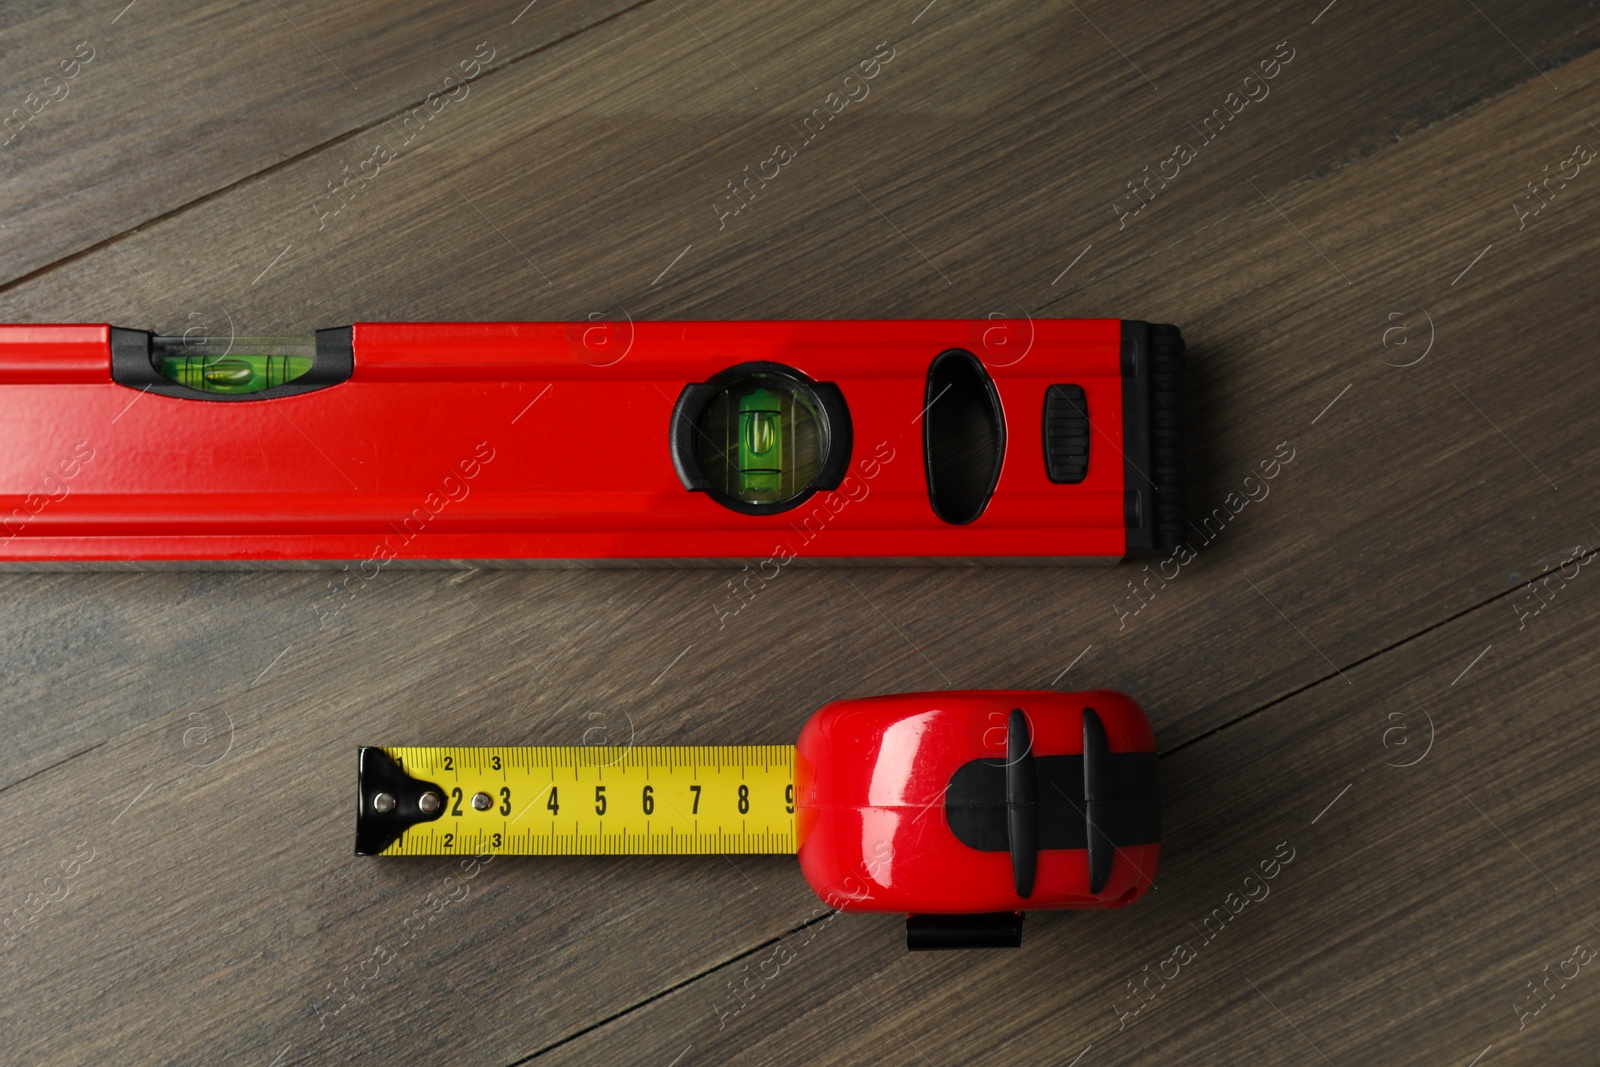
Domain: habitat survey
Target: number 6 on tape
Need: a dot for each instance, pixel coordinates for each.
(960, 809)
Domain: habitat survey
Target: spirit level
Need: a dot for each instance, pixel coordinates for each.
(960, 809)
(593, 441)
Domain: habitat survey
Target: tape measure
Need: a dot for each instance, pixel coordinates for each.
(958, 810)
(572, 801)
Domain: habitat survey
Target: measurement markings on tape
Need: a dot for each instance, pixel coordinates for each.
(550, 800)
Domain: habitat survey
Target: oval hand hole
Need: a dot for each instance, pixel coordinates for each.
(964, 432)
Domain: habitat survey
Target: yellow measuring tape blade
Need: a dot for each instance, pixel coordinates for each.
(564, 801)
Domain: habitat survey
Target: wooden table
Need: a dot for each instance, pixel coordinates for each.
(1353, 681)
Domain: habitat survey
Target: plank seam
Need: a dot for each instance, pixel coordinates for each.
(289, 161)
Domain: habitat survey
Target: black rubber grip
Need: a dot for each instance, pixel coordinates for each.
(1066, 434)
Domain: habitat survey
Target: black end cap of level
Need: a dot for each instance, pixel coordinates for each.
(994, 929)
(1152, 434)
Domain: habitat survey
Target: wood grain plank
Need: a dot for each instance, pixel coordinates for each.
(658, 146)
(156, 107)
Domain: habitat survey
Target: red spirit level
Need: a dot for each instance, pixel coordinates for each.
(660, 441)
(960, 809)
